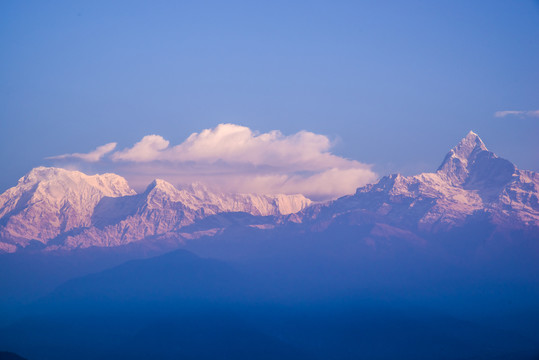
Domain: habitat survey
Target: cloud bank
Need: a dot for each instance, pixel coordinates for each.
(93, 156)
(519, 113)
(234, 158)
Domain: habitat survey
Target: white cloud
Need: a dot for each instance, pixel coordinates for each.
(519, 113)
(234, 158)
(147, 149)
(93, 156)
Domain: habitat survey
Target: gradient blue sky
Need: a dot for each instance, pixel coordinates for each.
(393, 83)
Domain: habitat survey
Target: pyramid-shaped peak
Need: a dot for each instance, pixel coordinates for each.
(473, 137)
(469, 144)
(466, 149)
(456, 162)
(162, 185)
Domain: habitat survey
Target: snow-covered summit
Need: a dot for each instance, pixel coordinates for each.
(471, 182)
(102, 210)
(49, 201)
(197, 196)
(163, 210)
(109, 184)
(457, 163)
(469, 145)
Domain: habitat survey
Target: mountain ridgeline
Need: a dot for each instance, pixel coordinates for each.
(472, 184)
(57, 209)
(61, 209)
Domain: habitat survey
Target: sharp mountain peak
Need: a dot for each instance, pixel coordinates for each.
(468, 145)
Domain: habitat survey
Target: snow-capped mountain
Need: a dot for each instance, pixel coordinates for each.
(472, 183)
(50, 201)
(68, 209)
(164, 210)
(64, 209)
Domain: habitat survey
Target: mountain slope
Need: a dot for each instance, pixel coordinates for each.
(162, 210)
(50, 201)
(68, 209)
(471, 183)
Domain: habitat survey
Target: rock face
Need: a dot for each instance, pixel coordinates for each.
(471, 183)
(68, 209)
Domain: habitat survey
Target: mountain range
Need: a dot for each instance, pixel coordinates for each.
(413, 267)
(66, 209)
(58, 209)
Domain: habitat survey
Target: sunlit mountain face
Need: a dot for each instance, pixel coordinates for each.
(439, 264)
(53, 209)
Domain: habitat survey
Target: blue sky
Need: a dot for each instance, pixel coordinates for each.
(394, 84)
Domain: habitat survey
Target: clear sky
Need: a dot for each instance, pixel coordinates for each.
(390, 83)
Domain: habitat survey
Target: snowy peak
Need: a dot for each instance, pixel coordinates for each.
(56, 187)
(160, 186)
(160, 192)
(466, 150)
(471, 165)
(458, 162)
(49, 201)
(109, 184)
(471, 144)
(471, 183)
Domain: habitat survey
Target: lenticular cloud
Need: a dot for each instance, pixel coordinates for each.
(234, 158)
